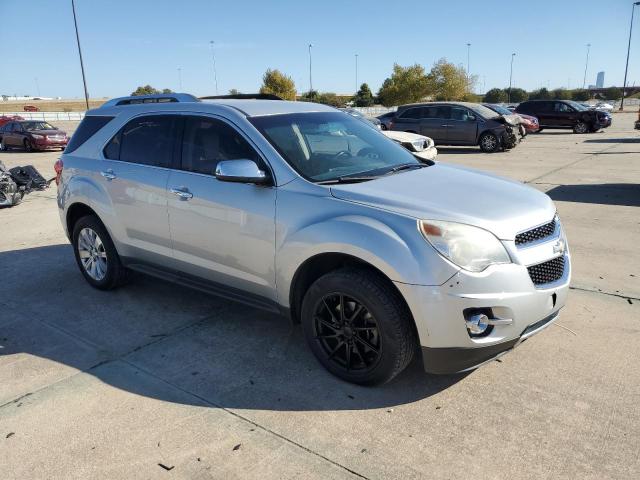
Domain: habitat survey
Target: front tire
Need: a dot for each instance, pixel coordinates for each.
(27, 146)
(358, 327)
(580, 127)
(96, 255)
(489, 142)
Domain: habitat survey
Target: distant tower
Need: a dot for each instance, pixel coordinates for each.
(600, 80)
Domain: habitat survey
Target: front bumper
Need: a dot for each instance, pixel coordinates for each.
(506, 291)
(428, 153)
(50, 144)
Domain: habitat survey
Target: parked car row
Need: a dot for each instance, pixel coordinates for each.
(565, 114)
(30, 135)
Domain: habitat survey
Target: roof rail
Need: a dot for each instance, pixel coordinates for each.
(158, 98)
(244, 96)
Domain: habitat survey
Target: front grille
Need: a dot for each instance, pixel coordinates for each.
(547, 272)
(536, 233)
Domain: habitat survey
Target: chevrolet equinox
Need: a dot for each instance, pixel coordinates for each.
(301, 209)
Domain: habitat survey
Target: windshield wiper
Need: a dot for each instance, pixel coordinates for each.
(346, 180)
(406, 166)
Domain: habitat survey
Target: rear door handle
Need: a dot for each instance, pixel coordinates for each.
(108, 174)
(182, 192)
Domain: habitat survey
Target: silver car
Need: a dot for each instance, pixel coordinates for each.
(297, 208)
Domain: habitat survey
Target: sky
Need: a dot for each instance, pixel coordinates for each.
(126, 43)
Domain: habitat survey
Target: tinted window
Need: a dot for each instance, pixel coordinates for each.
(562, 107)
(145, 140)
(207, 141)
(85, 130)
(412, 113)
(459, 113)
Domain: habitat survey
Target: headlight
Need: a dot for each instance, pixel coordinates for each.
(39, 137)
(471, 248)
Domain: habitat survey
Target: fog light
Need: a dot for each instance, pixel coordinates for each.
(477, 323)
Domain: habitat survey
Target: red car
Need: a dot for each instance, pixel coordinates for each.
(529, 122)
(9, 118)
(31, 108)
(32, 135)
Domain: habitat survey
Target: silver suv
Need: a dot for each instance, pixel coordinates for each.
(302, 209)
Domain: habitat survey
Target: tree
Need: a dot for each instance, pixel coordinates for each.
(277, 83)
(519, 95)
(580, 95)
(448, 82)
(234, 91)
(542, 94)
(406, 85)
(495, 95)
(364, 97)
(146, 90)
(167, 90)
(561, 94)
(612, 93)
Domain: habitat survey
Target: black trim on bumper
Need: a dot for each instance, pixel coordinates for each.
(456, 359)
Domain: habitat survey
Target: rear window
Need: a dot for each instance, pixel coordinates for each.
(87, 128)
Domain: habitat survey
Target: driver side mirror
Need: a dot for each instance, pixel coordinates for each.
(241, 171)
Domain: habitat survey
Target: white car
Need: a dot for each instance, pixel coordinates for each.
(419, 145)
(603, 106)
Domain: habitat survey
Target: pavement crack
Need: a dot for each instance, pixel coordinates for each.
(593, 290)
(246, 419)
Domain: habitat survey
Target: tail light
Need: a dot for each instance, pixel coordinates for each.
(58, 168)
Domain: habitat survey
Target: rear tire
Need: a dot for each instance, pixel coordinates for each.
(96, 255)
(489, 142)
(27, 146)
(3, 146)
(383, 126)
(358, 327)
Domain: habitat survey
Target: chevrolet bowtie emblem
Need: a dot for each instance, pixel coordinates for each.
(559, 246)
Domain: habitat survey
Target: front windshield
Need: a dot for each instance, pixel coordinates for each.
(32, 126)
(484, 111)
(333, 145)
(500, 109)
(579, 107)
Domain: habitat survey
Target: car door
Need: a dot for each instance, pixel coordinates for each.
(15, 135)
(7, 134)
(564, 115)
(462, 126)
(545, 114)
(221, 231)
(435, 123)
(408, 120)
(134, 173)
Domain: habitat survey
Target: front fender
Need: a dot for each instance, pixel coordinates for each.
(395, 247)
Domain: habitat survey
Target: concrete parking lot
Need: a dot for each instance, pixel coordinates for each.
(154, 380)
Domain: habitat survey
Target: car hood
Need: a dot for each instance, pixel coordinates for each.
(457, 194)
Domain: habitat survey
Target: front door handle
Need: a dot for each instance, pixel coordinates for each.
(444, 125)
(108, 174)
(182, 192)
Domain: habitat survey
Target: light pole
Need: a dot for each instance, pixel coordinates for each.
(586, 65)
(356, 73)
(624, 84)
(84, 80)
(510, 78)
(180, 78)
(468, 54)
(37, 86)
(213, 56)
(310, 77)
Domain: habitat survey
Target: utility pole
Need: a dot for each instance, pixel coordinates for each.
(37, 86)
(584, 80)
(356, 73)
(510, 78)
(84, 80)
(213, 56)
(310, 77)
(626, 68)
(468, 55)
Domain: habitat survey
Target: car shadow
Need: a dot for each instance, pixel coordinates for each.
(614, 140)
(457, 150)
(217, 352)
(625, 194)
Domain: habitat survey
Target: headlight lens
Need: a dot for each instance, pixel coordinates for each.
(471, 248)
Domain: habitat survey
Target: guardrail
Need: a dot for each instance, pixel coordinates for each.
(47, 115)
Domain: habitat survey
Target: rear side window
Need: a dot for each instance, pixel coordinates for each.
(87, 128)
(208, 141)
(412, 113)
(146, 140)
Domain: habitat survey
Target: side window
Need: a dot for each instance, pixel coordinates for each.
(413, 113)
(87, 128)
(459, 113)
(207, 141)
(562, 107)
(146, 140)
(444, 112)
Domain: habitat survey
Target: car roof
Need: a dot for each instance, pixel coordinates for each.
(250, 108)
(422, 104)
